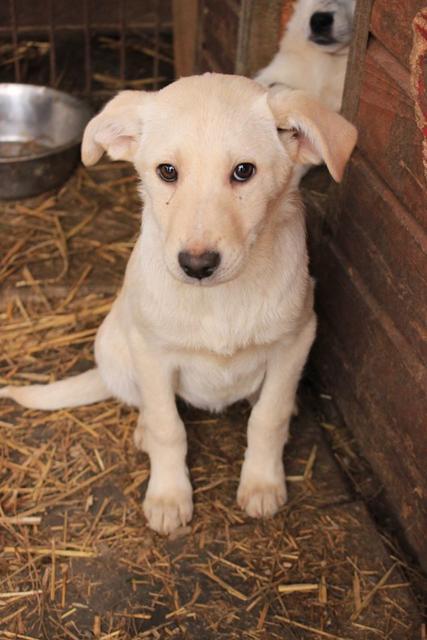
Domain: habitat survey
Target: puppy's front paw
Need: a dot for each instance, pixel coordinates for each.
(167, 511)
(261, 498)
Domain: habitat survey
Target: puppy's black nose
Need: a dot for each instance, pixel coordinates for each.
(199, 266)
(321, 23)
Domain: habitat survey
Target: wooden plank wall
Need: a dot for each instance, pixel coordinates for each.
(261, 24)
(185, 35)
(219, 35)
(238, 36)
(34, 15)
(372, 274)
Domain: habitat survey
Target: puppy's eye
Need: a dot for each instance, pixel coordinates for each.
(167, 172)
(294, 133)
(243, 171)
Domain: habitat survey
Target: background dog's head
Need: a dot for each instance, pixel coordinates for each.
(215, 153)
(324, 23)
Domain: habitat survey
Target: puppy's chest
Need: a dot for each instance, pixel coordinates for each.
(221, 326)
(213, 382)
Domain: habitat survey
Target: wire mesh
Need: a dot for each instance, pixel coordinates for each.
(89, 47)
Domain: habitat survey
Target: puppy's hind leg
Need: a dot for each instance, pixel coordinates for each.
(113, 357)
(138, 434)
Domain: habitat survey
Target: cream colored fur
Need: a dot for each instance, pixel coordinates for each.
(305, 65)
(244, 332)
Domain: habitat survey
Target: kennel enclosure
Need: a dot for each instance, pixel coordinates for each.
(73, 534)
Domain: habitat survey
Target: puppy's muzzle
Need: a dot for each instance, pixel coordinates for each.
(321, 23)
(199, 266)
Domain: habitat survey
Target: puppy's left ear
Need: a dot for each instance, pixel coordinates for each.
(116, 129)
(322, 134)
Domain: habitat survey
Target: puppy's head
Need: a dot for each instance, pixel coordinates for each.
(215, 154)
(325, 23)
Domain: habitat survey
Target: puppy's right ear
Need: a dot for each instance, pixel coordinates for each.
(116, 129)
(322, 134)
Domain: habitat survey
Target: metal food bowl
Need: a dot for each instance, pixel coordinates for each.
(40, 134)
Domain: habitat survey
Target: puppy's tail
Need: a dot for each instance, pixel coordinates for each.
(85, 388)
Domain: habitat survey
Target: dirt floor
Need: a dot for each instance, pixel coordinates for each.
(77, 559)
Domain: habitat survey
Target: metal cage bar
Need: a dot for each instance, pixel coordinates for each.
(144, 25)
(87, 52)
(122, 22)
(156, 47)
(14, 33)
(52, 50)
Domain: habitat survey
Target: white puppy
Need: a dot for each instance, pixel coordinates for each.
(217, 303)
(314, 50)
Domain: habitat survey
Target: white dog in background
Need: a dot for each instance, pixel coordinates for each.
(313, 51)
(217, 303)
